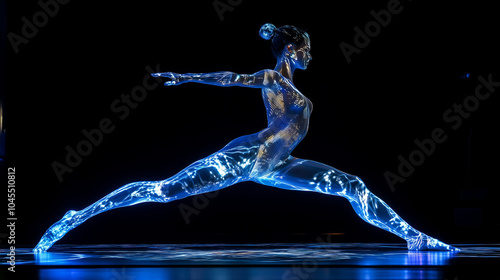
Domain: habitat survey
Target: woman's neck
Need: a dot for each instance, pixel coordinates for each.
(285, 68)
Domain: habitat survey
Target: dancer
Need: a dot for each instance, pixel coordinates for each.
(263, 157)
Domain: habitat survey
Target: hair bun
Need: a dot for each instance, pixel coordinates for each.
(267, 31)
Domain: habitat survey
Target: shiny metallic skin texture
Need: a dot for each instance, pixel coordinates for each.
(263, 157)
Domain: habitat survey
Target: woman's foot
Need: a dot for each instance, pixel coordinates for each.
(56, 232)
(425, 243)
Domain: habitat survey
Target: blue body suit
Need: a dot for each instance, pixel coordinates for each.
(263, 157)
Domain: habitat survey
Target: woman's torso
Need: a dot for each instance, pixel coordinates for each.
(288, 113)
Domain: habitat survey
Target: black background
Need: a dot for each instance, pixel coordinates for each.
(366, 114)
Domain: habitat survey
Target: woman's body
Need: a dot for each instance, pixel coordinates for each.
(263, 157)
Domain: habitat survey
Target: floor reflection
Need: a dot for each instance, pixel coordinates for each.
(232, 273)
(253, 261)
(235, 254)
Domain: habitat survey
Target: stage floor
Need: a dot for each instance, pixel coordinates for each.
(254, 261)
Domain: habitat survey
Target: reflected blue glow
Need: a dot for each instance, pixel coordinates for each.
(357, 254)
(263, 157)
(112, 273)
(244, 261)
(428, 258)
(230, 273)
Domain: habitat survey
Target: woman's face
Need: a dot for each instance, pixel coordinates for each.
(302, 55)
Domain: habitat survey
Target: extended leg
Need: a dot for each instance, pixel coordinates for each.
(127, 195)
(215, 172)
(309, 175)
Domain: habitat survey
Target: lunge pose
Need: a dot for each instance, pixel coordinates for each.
(263, 157)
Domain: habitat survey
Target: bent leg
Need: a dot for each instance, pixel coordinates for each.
(215, 172)
(307, 175)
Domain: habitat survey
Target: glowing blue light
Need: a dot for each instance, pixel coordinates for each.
(263, 157)
(465, 75)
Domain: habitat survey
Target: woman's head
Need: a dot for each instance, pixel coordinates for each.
(288, 40)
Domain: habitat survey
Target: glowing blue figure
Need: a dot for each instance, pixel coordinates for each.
(263, 157)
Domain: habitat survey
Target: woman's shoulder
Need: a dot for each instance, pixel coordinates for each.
(270, 77)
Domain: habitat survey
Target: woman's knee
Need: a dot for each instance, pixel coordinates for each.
(357, 188)
(204, 176)
(153, 191)
(357, 182)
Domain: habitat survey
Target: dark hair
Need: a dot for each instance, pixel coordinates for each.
(282, 36)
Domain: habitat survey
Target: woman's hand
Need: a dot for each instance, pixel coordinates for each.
(176, 79)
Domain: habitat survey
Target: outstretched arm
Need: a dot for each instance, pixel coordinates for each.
(223, 79)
